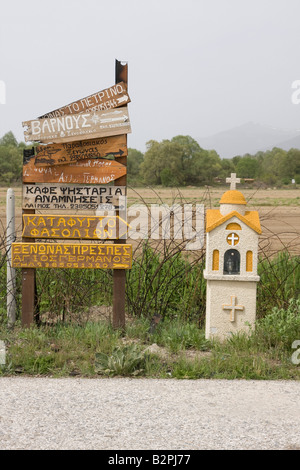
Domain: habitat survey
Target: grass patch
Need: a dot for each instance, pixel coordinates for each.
(164, 334)
(180, 351)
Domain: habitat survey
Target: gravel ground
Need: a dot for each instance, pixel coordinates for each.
(147, 414)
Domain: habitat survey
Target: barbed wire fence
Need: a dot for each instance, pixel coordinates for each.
(166, 279)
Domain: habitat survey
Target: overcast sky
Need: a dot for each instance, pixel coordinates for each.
(196, 67)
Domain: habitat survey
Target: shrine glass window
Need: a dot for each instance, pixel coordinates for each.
(232, 261)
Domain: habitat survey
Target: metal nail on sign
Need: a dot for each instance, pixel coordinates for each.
(111, 97)
(75, 126)
(89, 171)
(66, 255)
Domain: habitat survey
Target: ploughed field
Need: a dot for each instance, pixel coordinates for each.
(279, 209)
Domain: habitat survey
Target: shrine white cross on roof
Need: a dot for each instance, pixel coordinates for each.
(233, 180)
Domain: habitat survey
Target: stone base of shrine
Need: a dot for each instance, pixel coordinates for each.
(230, 308)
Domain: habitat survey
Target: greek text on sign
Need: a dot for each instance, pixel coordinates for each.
(74, 126)
(49, 196)
(70, 152)
(98, 171)
(109, 98)
(74, 227)
(52, 255)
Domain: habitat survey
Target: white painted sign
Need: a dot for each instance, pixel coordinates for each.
(67, 196)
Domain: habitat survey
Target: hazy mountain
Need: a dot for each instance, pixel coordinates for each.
(293, 143)
(250, 138)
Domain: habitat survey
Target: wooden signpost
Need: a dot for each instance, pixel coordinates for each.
(109, 98)
(90, 171)
(76, 126)
(82, 227)
(70, 152)
(49, 196)
(86, 149)
(66, 255)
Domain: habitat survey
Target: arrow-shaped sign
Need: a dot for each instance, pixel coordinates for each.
(115, 154)
(124, 99)
(109, 98)
(63, 153)
(77, 126)
(121, 118)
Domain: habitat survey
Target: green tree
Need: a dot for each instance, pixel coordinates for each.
(291, 168)
(247, 167)
(178, 162)
(11, 159)
(272, 165)
(134, 160)
(8, 140)
(165, 155)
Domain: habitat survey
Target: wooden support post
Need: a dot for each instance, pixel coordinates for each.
(28, 296)
(29, 292)
(119, 275)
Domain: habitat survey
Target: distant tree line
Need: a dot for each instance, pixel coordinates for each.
(11, 159)
(181, 162)
(178, 162)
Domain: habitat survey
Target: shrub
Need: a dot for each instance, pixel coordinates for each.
(281, 327)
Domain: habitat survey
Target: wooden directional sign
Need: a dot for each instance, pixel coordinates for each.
(74, 227)
(65, 255)
(89, 171)
(77, 126)
(49, 196)
(70, 152)
(109, 98)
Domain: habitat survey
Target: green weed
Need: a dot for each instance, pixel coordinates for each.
(126, 360)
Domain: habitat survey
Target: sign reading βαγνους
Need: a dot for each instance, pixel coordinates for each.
(78, 126)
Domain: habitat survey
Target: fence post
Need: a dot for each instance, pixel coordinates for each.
(119, 275)
(11, 272)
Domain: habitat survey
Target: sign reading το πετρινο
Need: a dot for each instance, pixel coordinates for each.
(110, 98)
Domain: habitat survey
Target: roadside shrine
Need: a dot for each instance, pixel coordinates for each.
(231, 265)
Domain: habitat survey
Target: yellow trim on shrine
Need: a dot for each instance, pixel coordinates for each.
(233, 196)
(233, 226)
(214, 218)
(216, 258)
(249, 261)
